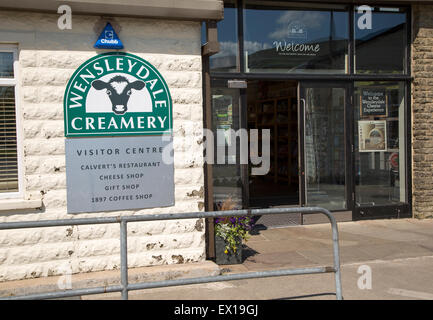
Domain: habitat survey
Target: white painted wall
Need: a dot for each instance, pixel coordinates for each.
(47, 58)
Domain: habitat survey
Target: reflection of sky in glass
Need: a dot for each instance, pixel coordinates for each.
(6, 65)
(203, 33)
(227, 33)
(381, 21)
(227, 29)
(388, 35)
(263, 27)
(227, 37)
(266, 26)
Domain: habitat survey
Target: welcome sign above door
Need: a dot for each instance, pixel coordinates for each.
(114, 94)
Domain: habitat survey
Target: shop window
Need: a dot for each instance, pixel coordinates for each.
(380, 142)
(381, 48)
(227, 182)
(203, 33)
(227, 59)
(285, 40)
(6, 65)
(8, 129)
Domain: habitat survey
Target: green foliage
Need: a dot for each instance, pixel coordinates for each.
(233, 230)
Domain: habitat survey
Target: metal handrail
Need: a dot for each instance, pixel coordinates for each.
(125, 287)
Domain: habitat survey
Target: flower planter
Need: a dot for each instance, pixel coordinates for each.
(227, 258)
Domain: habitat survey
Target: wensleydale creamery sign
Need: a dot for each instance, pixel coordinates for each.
(117, 93)
(118, 124)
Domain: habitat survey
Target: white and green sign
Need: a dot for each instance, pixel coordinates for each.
(114, 94)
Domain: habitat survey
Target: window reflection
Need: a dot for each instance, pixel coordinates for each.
(227, 183)
(381, 49)
(325, 147)
(226, 60)
(6, 65)
(278, 39)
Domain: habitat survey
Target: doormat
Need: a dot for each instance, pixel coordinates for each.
(277, 221)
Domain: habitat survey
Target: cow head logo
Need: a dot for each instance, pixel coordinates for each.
(119, 90)
(117, 93)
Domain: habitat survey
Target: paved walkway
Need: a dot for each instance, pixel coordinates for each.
(399, 254)
(359, 241)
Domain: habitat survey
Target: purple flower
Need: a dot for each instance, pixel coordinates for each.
(243, 222)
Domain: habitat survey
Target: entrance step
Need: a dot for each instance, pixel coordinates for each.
(316, 218)
(279, 220)
(296, 219)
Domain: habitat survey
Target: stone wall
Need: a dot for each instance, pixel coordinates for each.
(47, 58)
(422, 111)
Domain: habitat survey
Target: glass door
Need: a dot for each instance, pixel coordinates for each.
(272, 106)
(380, 159)
(228, 175)
(324, 146)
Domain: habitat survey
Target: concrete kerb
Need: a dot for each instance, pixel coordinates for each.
(108, 278)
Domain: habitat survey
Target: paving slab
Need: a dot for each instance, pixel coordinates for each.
(395, 250)
(268, 261)
(298, 232)
(347, 236)
(285, 245)
(347, 255)
(390, 230)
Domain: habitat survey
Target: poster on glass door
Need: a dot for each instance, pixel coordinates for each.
(374, 102)
(372, 136)
(223, 106)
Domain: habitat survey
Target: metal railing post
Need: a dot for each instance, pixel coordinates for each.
(336, 252)
(124, 259)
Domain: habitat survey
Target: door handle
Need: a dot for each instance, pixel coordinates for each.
(303, 113)
(304, 106)
(302, 166)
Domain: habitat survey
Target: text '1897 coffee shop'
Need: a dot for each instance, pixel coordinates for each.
(136, 107)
